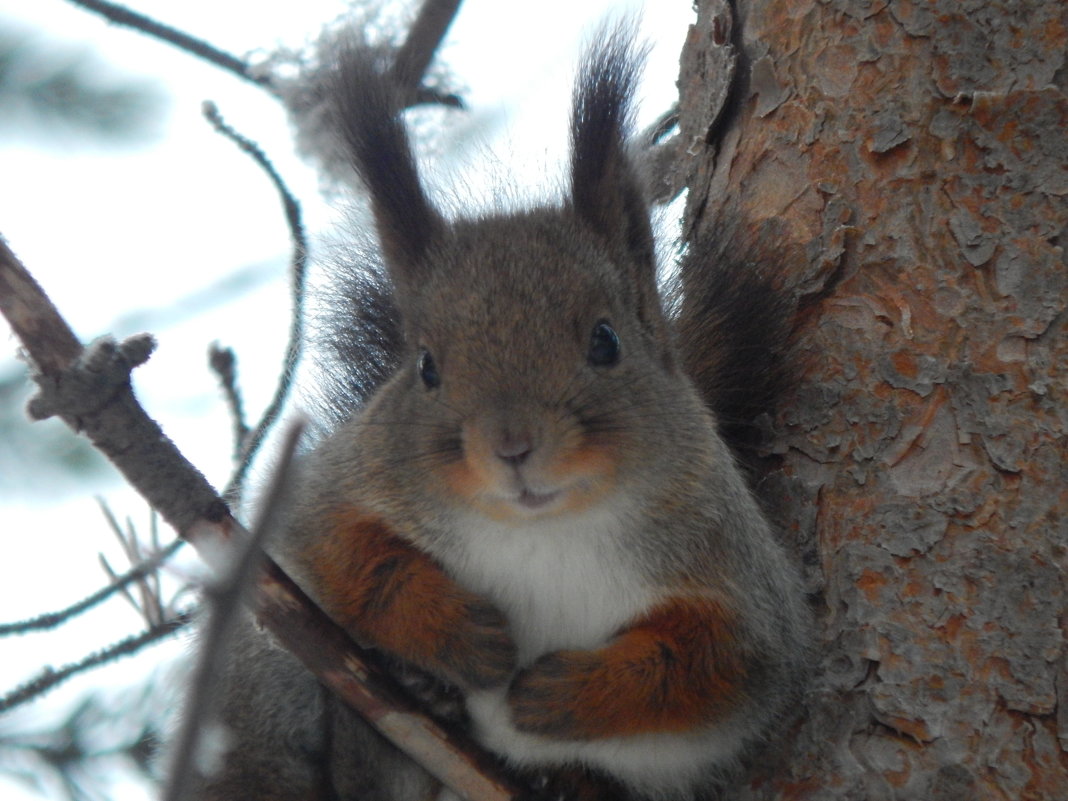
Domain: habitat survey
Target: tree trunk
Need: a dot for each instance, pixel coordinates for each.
(904, 164)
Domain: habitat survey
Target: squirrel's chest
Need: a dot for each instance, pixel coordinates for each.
(563, 583)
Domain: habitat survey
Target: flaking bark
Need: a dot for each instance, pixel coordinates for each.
(904, 165)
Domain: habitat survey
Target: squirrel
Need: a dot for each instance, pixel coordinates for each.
(539, 503)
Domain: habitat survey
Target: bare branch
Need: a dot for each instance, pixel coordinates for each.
(53, 619)
(357, 677)
(223, 363)
(423, 40)
(424, 95)
(120, 15)
(33, 318)
(298, 274)
(90, 389)
(151, 606)
(49, 678)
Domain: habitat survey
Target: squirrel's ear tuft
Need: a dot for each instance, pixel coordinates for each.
(368, 106)
(605, 188)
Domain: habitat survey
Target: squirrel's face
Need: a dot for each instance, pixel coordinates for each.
(532, 383)
(539, 378)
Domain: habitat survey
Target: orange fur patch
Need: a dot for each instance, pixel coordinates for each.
(394, 596)
(595, 466)
(677, 669)
(464, 481)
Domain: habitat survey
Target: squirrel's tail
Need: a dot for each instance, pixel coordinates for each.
(734, 328)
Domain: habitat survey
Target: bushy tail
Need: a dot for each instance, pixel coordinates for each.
(734, 328)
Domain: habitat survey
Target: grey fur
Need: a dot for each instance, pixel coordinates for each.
(505, 304)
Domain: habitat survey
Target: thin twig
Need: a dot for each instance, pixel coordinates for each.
(138, 607)
(224, 600)
(298, 274)
(423, 40)
(51, 620)
(223, 362)
(48, 678)
(151, 606)
(120, 15)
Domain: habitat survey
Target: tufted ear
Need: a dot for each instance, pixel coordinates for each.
(606, 191)
(368, 107)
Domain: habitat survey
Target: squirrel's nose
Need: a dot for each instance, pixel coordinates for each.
(514, 448)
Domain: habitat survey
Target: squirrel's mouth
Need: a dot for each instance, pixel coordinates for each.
(522, 502)
(534, 501)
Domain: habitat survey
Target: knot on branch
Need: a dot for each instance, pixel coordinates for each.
(89, 384)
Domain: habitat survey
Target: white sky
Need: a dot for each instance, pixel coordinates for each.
(108, 232)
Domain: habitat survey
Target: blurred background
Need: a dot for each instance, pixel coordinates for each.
(135, 215)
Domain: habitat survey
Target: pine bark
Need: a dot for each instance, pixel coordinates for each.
(903, 166)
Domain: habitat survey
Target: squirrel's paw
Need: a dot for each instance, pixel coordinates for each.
(556, 696)
(477, 651)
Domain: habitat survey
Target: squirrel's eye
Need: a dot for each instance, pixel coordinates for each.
(428, 371)
(604, 346)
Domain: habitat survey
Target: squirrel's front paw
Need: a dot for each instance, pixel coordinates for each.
(554, 697)
(395, 597)
(477, 651)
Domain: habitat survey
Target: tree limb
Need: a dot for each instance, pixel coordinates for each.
(89, 388)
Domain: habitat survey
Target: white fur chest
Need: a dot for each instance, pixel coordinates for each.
(562, 583)
(569, 583)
